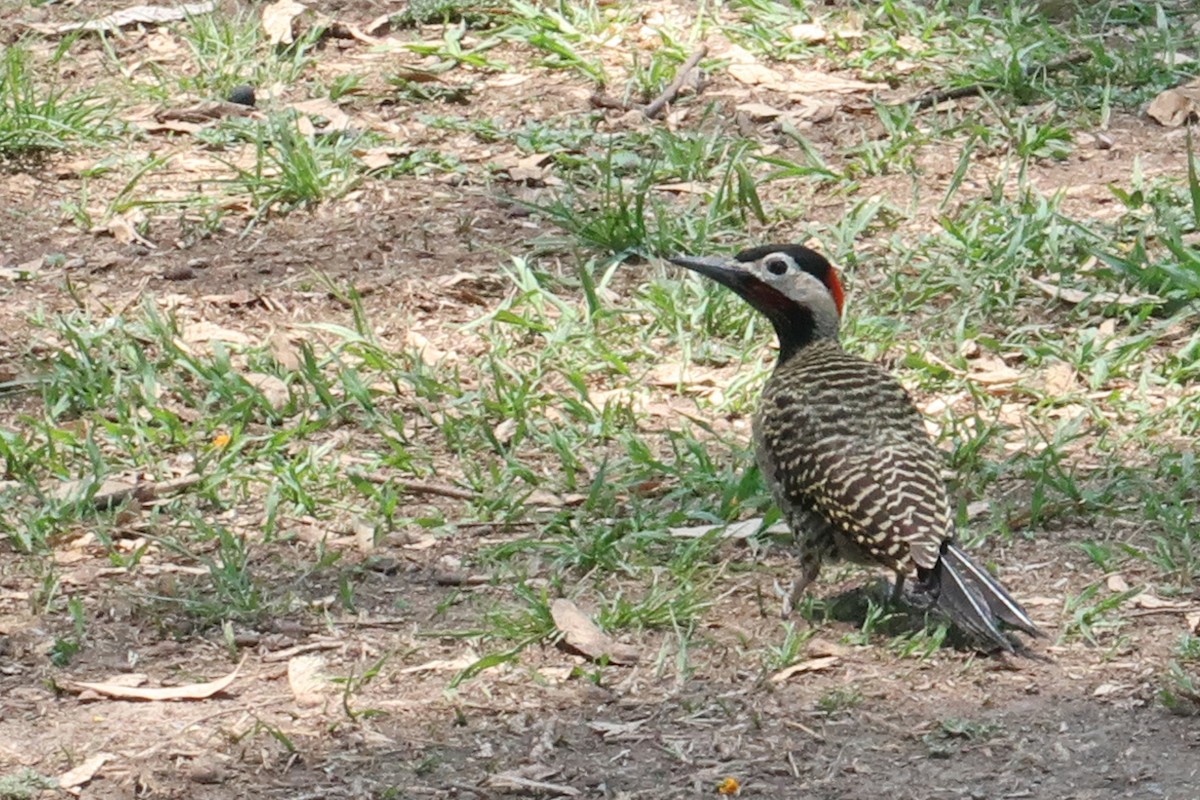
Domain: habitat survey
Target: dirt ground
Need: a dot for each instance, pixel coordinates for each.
(1075, 722)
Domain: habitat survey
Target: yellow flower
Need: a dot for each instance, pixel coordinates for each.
(221, 440)
(729, 786)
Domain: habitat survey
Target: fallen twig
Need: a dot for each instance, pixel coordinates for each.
(418, 487)
(932, 98)
(655, 107)
(659, 103)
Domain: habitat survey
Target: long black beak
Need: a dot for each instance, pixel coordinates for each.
(725, 271)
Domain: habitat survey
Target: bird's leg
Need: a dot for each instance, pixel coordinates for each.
(810, 565)
(898, 592)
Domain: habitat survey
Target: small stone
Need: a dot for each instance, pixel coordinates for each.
(199, 263)
(242, 95)
(178, 272)
(1104, 141)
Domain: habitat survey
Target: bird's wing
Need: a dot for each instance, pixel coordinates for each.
(879, 486)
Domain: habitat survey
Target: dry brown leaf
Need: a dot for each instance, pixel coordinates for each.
(192, 691)
(1077, 296)
(338, 120)
(1178, 106)
(201, 113)
(137, 15)
(808, 32)
(505, 431)
(1193, 622)
(583, 636)
(382, 156)
(759, 112)
(73, 779)
(823, 647)
(1116, 583)
(443, 664)
(307, 679)
(1058, 378)
(277, 19)
(812, 82)
(755, 74)
(274, 390)
(284, 352)
(114, 489)
(203, 331)
(1154, 602)
(811, 665)
(684, 187)
(993, 372)
(734, 530)
(429, 354)
(519, 783)
(122, 227)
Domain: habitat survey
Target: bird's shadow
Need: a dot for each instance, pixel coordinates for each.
(871, 609)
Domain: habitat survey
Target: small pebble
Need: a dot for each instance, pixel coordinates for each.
(178, 272)
(242, 95)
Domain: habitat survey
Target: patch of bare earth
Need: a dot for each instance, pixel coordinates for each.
(861, 723)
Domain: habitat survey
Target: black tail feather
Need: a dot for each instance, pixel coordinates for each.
(975, 601)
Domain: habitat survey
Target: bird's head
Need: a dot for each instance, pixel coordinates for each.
(795, 287)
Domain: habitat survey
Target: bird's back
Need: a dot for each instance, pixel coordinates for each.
(839, 438)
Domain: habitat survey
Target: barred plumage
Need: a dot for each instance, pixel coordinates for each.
(846, 453)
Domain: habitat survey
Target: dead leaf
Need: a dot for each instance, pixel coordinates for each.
(192, 691)
(505, 431)
(812, 82)
(203, 332)
(443, 665)
(122, 227)
(196, 116)
(337, 120)
(989, 370)
(583, 636)
(811, 665)
(807, 32)
(284, 352)
(430, 355)
(684, 187)
(1058, 378)
(670, 374)
(382, 155)
(823, 647)
(277, 19)
(734, 530)
(519, 783)
(1116, 583)
(307, 679)
(273, 390)
(759, 112)
(1154, 602)
(1193, 622)
(112, 490)
(755, 74)
(1077, 296)
(137, 15)
(1178, 106)
(1106, 689)
(72, 779)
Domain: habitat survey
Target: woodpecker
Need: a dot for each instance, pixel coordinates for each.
(845, 451)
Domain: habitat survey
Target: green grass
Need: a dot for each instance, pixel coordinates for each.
(550, 412)
(40, 115)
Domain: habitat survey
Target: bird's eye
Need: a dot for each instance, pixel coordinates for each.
(776, 266)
